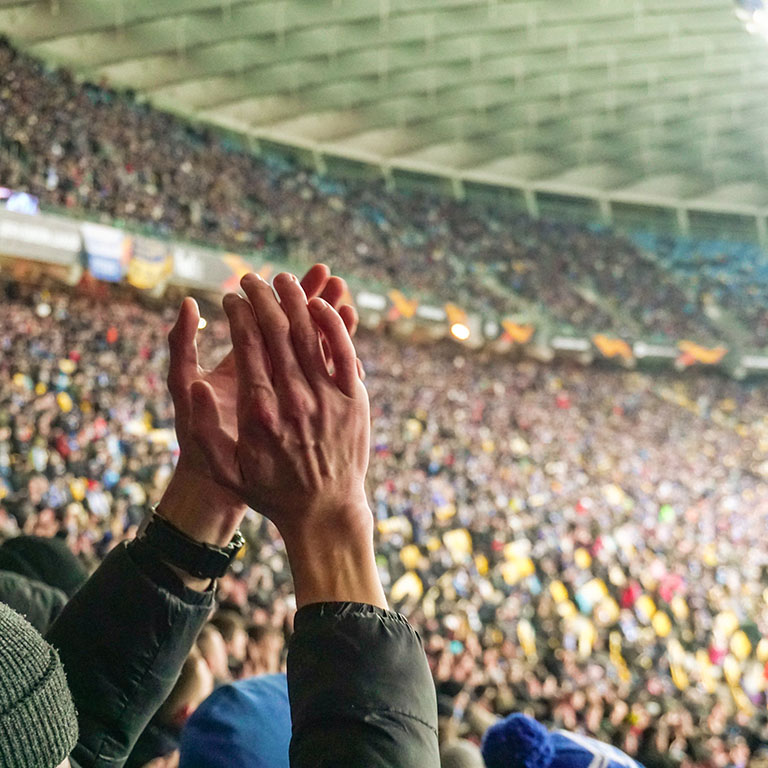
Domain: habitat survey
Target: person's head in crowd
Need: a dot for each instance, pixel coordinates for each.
(245, 723)
(39, 603)
(265, 647)
(231, 625)
(48, 560)
(460, 753)
(213, 649)
(38, 721)
(195, 684)
(519, 741)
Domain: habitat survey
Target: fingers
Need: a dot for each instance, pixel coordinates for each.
(304, 333)
(219, 448)
(275, 330)
(334, 291)
(349, 316)
(183, 350)
(315, 280)
(251, 359)
(340, 345)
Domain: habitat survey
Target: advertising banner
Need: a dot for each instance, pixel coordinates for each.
(195, 267)
(18, 202)
(150, 264)
(108, 251)
(39, 238)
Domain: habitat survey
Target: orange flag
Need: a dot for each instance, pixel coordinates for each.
(612, 347)
(455, 314)
(519, 334)
(404, 307)
(240, 267)
(694, 353)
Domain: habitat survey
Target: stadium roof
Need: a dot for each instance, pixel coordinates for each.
(655, 102)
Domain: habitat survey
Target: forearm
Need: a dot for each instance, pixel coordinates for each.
(122, 639)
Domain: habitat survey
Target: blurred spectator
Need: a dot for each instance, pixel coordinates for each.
(38, 603)
(47, 560)
(460, 754)
(214, 652)
(244, 723)
(521, 742)
(162, 736)
(232, 628)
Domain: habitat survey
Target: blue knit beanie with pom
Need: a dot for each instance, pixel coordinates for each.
(518, 742)
(522, 742)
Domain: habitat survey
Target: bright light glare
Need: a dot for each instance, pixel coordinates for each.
(460, 331)
(202, 323)
(754, 16)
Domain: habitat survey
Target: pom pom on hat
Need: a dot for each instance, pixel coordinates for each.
(518, 742)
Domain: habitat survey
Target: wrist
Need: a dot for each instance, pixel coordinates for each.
(335, 562)
(200, 507)
(190, 581)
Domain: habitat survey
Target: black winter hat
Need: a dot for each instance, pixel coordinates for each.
(44, 559)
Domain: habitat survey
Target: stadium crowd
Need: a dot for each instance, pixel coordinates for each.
(102, 154)
(575, 544)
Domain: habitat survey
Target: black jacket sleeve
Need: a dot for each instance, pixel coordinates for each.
(123, 639)
(361, 692)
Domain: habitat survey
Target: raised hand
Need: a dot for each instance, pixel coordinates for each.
(301, 447)
(192, 481)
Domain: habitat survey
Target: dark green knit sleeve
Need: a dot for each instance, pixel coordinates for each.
(361, 692)
(123, 639)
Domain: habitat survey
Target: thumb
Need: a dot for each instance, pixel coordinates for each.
(182, 348)
(218, 447)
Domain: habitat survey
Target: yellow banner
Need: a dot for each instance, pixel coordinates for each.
(151, 263)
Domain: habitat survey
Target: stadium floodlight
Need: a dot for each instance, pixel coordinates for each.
(754, 16)
(460, 331)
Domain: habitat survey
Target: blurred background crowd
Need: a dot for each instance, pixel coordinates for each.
(572, 543)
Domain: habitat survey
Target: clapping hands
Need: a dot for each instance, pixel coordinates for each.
(288, 435)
